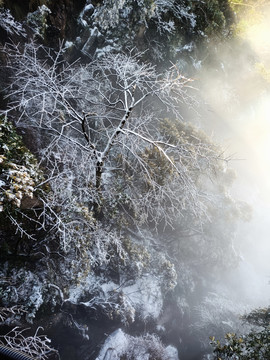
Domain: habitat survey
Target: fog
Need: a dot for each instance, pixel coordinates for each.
(237, 98)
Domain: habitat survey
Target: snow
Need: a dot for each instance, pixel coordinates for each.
(105, 50)
(171, 353)
(84, 15)
(77, 291)
(160, 328)
(68, 44)
(115, 346)
(142, 299)
(120, 345)
(44, 10)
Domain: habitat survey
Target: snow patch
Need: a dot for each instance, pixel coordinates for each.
(171, 353)
(115, 346)
(68, 44)
(120, 345)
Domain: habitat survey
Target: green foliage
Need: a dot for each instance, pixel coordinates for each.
(138, 258)
(254, 345)
(214, 17)
(19, 172)
(258, 317)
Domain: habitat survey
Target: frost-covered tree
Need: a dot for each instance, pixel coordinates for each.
(118, 160)
(100, 119)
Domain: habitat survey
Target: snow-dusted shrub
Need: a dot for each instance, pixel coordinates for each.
(36, 346)
(121, 346)
(145, 277)
(19, 197)
(9, 24)
(253, 344)
(11, 315)
(23, 288)
(145, 347)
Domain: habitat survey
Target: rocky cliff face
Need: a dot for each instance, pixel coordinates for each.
(166, 30)
(61, 20)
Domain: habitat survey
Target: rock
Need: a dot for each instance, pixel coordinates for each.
(90, 46)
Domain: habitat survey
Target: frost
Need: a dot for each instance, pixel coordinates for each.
(35, 300)
(188, 47)
(196, 63)
(219, 314)
(160, 328)
(184, 12)
(9, 24)
(88, 7)
(108, 15)
(44, 10)
(76, 292)
(179, 11)
(34, 347)
(25, 288)
(143, 299)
